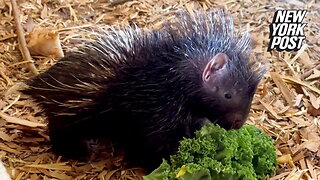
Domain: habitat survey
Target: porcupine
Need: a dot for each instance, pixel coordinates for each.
(149, 89)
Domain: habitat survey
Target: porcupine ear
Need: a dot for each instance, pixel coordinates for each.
(218, 62)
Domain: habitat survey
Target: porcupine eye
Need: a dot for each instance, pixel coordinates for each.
(227, 96)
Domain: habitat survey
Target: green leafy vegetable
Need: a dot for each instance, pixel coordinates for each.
(244, 154)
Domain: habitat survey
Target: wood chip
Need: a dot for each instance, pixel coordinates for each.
(270, 109)
(20, 121)
(56, 166)
(283, 87)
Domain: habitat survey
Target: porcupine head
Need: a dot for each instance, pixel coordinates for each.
(228, 95)
(230, 74)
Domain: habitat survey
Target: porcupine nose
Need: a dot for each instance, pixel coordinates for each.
(232, 120)
(238, 121)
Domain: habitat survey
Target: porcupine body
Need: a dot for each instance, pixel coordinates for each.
(149, 89)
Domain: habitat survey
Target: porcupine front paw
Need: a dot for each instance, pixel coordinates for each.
(69, 145)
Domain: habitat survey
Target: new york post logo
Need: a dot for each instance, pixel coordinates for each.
(287, 30)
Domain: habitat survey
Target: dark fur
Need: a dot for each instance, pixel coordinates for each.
(150, 94)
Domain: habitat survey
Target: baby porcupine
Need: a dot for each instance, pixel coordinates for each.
(149, 89)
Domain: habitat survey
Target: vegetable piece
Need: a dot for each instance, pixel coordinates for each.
(247, 153)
